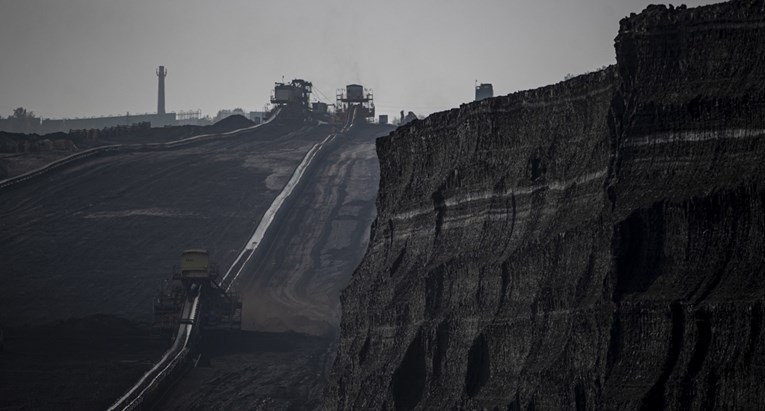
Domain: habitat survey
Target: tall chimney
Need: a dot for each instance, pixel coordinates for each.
(161, 73)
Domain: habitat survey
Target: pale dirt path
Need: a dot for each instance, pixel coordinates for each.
(295, 280)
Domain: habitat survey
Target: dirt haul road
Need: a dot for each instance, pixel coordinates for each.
(317, 241)
(290, 289)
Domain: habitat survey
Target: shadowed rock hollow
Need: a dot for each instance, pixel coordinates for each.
(594, 244)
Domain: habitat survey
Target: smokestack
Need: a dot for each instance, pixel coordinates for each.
(161, 73)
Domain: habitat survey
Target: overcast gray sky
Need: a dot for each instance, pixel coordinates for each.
(64, 58)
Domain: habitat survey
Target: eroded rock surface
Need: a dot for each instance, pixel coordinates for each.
(595, 244)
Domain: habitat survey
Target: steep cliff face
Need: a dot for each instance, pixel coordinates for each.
(595, 244)
(688, 210)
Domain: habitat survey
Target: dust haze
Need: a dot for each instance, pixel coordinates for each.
(92, 58)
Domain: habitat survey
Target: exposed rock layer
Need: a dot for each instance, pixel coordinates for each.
(595, 244)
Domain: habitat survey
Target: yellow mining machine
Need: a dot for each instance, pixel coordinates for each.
(193, 276)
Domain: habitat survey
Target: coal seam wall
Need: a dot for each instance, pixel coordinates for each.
(595, 244)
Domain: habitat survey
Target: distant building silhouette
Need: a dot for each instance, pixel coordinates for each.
(408, 118)
(484, 91)
(23, 122)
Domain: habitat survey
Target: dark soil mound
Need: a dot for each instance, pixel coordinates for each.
(82, 363)
(100, 324)
(230, 123)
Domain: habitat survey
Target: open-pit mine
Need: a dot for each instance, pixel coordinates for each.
(595, 244)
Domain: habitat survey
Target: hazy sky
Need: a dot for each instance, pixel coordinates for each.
(63, 58)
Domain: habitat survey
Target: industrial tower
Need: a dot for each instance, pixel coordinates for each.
(356, 95)
(161, 73)
(296, 92)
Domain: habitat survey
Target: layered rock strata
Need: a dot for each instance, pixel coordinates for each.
(595, 244)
